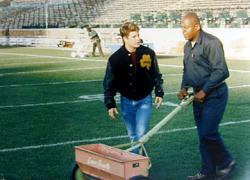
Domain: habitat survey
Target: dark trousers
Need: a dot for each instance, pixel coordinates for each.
(208, 116)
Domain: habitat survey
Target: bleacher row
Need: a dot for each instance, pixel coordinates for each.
(111, 13)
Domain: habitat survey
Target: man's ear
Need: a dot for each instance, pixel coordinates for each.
(197, 27)
(124, 38)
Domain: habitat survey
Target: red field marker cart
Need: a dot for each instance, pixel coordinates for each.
(99, 161)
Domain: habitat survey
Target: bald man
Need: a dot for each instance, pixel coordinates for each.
(205, 71)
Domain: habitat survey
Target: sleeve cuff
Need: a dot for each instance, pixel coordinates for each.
(109, 106)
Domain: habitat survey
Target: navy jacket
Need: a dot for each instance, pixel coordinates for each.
(134, 83)
(204, 64)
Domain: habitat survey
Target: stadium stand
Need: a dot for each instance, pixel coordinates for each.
(4, 3)
(111, 13)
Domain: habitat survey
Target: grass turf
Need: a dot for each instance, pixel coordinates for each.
(40, 107)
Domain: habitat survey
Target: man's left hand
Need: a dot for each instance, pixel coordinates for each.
(200, 96)
(158, 101)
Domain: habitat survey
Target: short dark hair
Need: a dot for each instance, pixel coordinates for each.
(194, 16)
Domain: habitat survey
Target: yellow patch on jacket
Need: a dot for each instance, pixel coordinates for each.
(146, 61)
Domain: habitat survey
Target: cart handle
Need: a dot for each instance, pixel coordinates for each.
(184, 103)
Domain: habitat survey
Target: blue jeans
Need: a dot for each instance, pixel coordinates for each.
(136, 116)
(208, 116)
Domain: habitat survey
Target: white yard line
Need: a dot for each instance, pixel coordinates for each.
(53, 57)
(50, 71)
(180, 66)
(50, 83)
(45, 104)
(7, 58)
(56, 83)
(83, 99)
(91, 98)
(85, 59)
(169, 65)
(97, 60)
(240, 86)
(8, 150)
(167, 75)
(239, 71)
(35, 63)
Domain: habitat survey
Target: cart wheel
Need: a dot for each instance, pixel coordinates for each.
(76, 174)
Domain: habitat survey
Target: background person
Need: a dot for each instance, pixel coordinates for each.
(95, 40)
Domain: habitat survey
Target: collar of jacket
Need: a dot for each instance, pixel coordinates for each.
(138, 50)
(199, 40)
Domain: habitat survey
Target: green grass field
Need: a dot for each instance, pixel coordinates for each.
(51, 102)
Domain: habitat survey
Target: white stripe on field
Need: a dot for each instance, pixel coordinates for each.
(239, 86)
(180, 66)
(91, 60)
(90, 98)
(240, 71)
(50, 83)
(170, 65)
(167, 75)
(86, 98)
(7, 58)
(65, 82)
(53, 57)
(33, 63)
(50, 71)
(108, 138)
(46, 104)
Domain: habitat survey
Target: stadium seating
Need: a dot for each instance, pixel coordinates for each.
(111, 13)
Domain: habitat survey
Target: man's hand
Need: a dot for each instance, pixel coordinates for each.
(200, 96)
(113, 113)
(158, 101)
(182, 94)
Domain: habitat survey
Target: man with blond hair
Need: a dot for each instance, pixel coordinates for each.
(133, 72)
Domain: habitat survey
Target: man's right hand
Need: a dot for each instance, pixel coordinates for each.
(182, 94)
(113, 113)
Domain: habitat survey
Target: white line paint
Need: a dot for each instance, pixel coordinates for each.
(98, 60)
(170, 65)
(7, 150)
(45, 104)
(36, 63)
(240, 71)
(239, 86)
(50, 83)
(11, 58)
(56, 83)
(171, 104)
(167, 75)
(89, 98)
(53, 57)
(86, 98)
(180, 66)
(50, 71)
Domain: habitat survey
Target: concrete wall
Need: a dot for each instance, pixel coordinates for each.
(164, 41)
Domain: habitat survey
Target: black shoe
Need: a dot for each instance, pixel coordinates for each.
(224, 173)
(200, 176)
